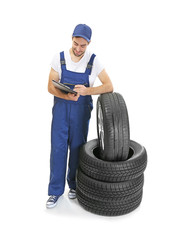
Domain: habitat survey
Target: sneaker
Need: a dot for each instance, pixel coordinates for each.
(52, 201)
(72, 194)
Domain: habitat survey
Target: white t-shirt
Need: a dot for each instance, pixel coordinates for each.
(78, 66)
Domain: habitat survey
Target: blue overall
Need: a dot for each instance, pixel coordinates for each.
(69, 129)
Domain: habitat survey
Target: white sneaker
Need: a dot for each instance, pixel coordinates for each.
(52, 201)
(72, 194)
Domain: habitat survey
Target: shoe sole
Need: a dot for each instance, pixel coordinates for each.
(51, 206)
(71, 197)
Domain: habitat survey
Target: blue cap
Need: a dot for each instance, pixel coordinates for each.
(84, 31)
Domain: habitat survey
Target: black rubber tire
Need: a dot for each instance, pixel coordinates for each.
(110, 208)
(104, 191)
(107, 171)
(113, 127)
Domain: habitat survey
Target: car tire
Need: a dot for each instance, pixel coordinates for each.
(110, 171)
(113, 127)
(107, 191)
(109, 208)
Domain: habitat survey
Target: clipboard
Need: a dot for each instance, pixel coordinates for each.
(63, 87)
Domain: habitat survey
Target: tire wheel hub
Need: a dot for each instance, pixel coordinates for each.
(100, 127)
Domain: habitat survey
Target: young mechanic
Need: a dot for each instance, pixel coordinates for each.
(78, 69)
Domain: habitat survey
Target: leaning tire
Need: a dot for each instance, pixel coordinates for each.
(113, 127)
(107, 171)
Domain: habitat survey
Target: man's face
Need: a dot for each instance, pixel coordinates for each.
(79, 46)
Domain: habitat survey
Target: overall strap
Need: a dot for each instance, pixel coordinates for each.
(62, 61)
(90, 64)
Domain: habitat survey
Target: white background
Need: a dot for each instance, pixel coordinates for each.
(138, 41)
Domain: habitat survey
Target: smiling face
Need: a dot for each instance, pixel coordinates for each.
(79, 46)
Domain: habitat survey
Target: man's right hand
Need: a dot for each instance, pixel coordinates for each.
(73, 97)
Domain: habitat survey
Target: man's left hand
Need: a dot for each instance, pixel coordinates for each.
(81, 90)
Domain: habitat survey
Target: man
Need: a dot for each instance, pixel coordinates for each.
(78, 69)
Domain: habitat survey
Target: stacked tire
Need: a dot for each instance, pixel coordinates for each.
(111, 169)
